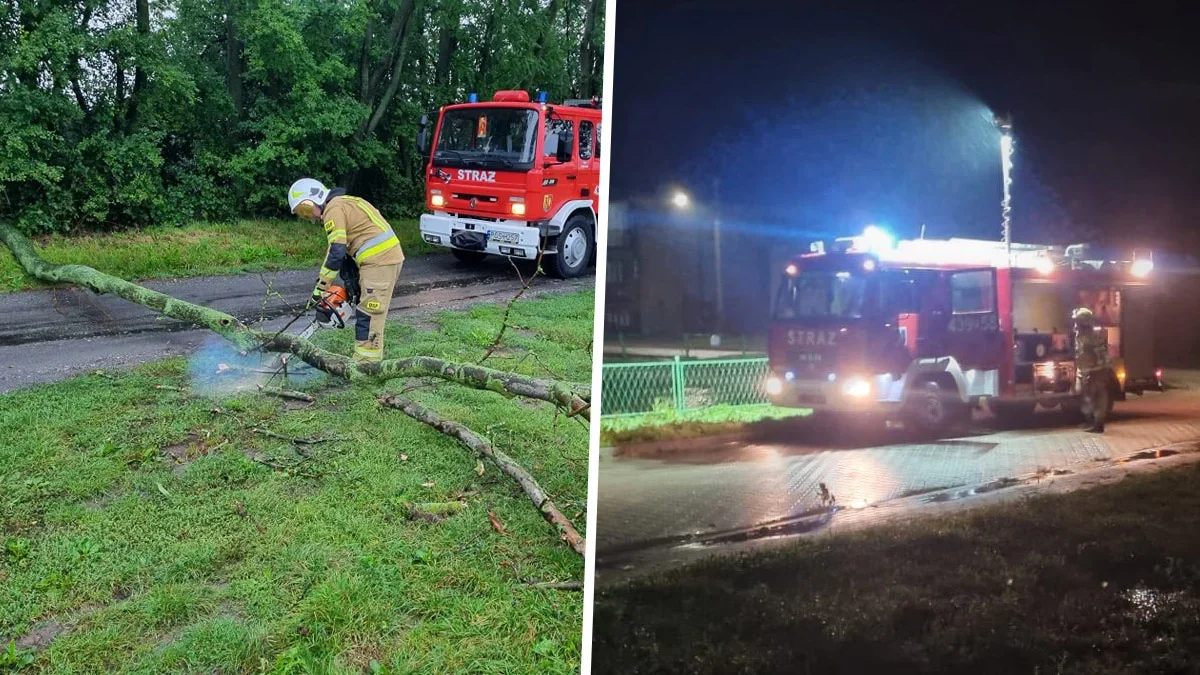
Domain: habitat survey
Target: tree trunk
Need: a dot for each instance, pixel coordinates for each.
(395, 32)
(539, 51)
(447, 44)
(485, 59)
(139, 67)
(85, 28)
(538, 72)
(587, 57)
(411, 25)
(119, 101)
(233, 60)
(364, 68)
(574, 398)
(566, 531)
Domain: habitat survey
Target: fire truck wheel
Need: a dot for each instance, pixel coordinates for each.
(934, 409)
(573, 250)
(468, 257)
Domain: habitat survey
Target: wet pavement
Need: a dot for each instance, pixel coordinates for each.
(717, 490)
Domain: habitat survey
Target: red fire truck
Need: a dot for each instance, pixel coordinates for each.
(514, 177)
(928, 330)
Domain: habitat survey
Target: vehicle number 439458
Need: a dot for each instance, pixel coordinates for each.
(969, 323)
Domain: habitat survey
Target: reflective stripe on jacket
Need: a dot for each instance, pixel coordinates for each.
(354, 223)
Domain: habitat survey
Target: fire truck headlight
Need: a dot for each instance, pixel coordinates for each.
(774, 386)
(791, 270)
(856, 388)
(1044, 266)
(437, 200)
(518, 208)
(1141, 268)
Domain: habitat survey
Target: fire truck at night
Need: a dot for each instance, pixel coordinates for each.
(928, 330)
(514, 177)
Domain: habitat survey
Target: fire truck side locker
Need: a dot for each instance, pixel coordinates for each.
(1137, 338)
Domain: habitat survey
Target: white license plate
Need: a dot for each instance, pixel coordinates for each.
(505, 237)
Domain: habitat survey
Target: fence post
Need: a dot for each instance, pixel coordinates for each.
(678, 380)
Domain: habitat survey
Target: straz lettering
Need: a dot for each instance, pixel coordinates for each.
(812, 338)
(477, 176)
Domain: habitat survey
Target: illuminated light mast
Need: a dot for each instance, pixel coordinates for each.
(1004, 123)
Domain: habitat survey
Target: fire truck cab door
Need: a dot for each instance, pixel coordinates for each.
(560, 162)
(972, 325)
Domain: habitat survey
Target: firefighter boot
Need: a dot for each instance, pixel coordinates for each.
(378, 282)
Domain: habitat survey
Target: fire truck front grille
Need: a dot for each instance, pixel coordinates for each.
(810, 399)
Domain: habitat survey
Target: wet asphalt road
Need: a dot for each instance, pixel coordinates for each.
(650, 498)
(52, 335)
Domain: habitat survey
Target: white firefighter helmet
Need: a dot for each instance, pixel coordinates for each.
(307, 190)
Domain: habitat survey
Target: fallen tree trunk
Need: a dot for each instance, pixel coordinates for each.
(549, 511)
(574, 398)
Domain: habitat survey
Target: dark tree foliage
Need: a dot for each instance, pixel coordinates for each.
(122, 114)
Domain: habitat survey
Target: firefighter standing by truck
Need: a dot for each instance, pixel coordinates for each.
(363, 249)
(1092, 364)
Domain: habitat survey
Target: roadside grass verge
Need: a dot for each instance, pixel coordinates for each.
(671, 424)
(142, 532)
(199, 249)
(1099, 581)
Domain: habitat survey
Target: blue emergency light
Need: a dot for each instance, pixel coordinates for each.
(472, 98)
(541, 97)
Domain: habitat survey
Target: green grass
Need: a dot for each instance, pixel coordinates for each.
(670, 424)
(195, 250)
(219, 563)
(1099, 581)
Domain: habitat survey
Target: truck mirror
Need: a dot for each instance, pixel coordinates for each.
(565, 141)
(423, 135)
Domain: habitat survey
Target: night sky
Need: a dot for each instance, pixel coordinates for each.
(823, 120)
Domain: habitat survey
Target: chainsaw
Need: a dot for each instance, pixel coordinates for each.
(333, 300)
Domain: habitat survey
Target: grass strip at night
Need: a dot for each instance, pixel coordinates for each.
(712, 421)
(1105, 580)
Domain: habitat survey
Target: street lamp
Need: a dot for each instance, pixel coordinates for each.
(680, 200)
(1004, 124)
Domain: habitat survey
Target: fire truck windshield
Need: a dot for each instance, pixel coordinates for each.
(493, 138)
(821, 295)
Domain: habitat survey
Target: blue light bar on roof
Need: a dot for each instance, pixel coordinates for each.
(472, 98)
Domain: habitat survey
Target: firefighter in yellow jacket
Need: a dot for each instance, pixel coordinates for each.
(363, 249)
(1094, 368)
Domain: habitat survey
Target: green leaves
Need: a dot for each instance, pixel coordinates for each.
(240, 97)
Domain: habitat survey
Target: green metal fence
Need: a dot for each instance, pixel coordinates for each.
(639, 388)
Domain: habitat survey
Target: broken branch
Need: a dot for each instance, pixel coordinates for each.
(525, 283)
(549, 511)
(299, 441)
(284, 393)
(559, 585)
